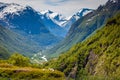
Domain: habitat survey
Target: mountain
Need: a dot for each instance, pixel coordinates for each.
(45, 28)
(53, 22)
(85, 26)
(49, 26)
(96, 58)
(4, 54)
(60, 23)
(23, 18)
(82, 12)
(11, 42)
(27, 22)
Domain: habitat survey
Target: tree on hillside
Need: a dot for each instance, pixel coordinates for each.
(19, 60)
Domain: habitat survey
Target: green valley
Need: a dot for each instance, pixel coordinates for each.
(38, 45)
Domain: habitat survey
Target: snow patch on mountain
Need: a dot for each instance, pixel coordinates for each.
(45, 11)
(86, 12)
(114, 1)
(81, 13)
(38, 58)
(75, 17)
(11, 9)
(44, 58)
(55, 17)
(68, 18)
(64, 22)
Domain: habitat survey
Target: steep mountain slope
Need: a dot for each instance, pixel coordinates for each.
(82, 12)
(86, 25)
(4, 54)
(97, 58)
(53, 22)
(16, 43)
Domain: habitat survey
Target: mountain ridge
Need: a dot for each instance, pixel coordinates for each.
(28, 22)
(85, 26)
(41, 27)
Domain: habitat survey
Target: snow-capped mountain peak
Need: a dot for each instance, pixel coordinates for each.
(55, 17)
(56, 23)
(51, 14)
(82, 12)
(114, 1)
(70, 20)
(61, 20)
(11, 9)
(45, 12)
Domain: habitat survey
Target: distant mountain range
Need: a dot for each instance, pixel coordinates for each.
(45, 28)
(82, 12)
(26, 18)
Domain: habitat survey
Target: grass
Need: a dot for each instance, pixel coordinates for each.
(8, 71)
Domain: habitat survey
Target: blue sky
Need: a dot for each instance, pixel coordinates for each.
(65, 7)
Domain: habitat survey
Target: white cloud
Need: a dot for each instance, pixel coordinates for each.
(65, 7)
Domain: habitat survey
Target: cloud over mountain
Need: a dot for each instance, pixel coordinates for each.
(65, 7)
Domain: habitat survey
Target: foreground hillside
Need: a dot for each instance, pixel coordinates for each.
(18, 67)
(28, 73)
(97, 58)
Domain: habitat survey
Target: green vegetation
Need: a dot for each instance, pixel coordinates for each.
(18, 67)
(97, 58)
(19, 60)
(27, 73)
